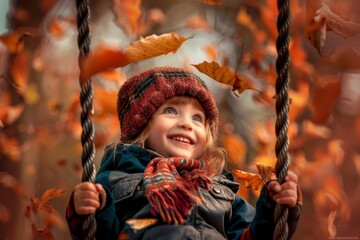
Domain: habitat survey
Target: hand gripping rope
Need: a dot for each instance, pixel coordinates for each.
(282, 108)
(86, 101)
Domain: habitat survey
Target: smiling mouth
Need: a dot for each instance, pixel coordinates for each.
(182, 139)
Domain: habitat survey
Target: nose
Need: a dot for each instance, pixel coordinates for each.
(185, 123)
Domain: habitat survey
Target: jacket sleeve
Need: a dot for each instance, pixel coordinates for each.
(248, 223)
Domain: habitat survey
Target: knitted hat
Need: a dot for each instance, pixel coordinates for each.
(141, 95)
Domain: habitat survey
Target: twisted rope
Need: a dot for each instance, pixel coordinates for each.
(282, 108)
(86, 101)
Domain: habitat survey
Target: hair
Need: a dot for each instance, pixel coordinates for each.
(213, 155)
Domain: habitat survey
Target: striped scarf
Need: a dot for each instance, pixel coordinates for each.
(172, 187)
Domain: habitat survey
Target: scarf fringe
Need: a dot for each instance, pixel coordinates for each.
(174, 199)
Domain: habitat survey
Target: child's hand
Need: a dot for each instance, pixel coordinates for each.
(285, 193)
(87, 197)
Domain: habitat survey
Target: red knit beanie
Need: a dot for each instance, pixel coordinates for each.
(141, 95)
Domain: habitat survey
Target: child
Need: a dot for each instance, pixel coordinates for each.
(167, 168)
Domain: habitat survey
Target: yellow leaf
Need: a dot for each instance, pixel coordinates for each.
(224, 75)
(153, 46)
(251, 179)
(138, 224)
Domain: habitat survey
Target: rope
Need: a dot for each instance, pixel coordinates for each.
(86, 101)
(282, 108)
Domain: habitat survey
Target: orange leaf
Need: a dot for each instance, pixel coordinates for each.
(19, 71)
(265, 171)
(153, 46)
(224, 75)
(14, 41)
(43, 203)
(251, 179)
(128, 14)
(102, 59)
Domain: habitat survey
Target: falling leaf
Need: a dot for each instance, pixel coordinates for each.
(128, 13)
(138, 224)
(266, 172)
(224, 75)
(102, 58)
(14, 40)
(43, 203)
(153, 46)
(321, 17)
(19, 71)
(252, 180)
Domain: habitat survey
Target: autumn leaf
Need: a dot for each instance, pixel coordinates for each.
(43, 203)
(128, 14)
(320, 18)
(138, 224)
(153, 46)
(252, 180)
(265, 171)
(104, 57)
(224, 75)
(19, 71)
(14, 40)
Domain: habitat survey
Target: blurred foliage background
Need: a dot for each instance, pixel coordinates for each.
(40, 147)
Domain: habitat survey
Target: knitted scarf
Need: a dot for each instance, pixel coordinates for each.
(172, 187)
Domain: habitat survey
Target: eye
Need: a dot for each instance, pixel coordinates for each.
(169, 110)
(197, 118)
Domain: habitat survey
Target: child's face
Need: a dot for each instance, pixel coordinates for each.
(178, 130)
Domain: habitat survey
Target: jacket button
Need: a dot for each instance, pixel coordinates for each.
(130, 189)
(216, 190)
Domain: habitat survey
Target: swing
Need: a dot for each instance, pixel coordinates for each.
(282, 108)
